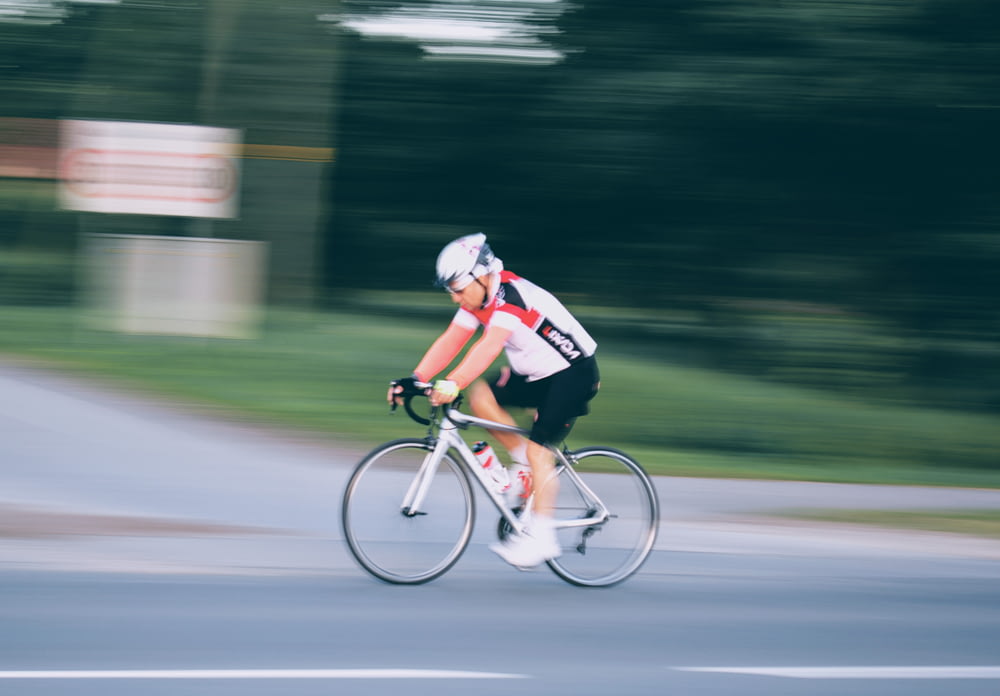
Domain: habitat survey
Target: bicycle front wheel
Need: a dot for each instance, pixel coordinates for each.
(384, 537)
(618, 542)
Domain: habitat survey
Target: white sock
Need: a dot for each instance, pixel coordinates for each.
(520, 455)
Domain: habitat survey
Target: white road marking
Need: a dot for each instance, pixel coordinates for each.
(254, 674)
(952, 672)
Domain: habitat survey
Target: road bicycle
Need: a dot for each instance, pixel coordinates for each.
(409, 509)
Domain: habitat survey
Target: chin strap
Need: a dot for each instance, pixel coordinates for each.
(487, 297)
(486, 294)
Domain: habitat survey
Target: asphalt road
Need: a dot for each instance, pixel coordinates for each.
(147, 550)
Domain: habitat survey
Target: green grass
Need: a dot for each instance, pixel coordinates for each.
(982, 523)
(327, 373)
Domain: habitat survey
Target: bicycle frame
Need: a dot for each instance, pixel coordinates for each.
(448, 438)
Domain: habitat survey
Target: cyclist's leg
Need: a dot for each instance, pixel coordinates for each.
(485, 405)
(489, 401)
(559, 399)
(545, 485)
(567, 396)
(539, 543)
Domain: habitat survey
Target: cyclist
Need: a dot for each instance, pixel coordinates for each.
(552, 368)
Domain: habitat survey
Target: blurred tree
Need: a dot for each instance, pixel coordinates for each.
(690, 153)
(41, 60)
(693, 155)
(705, 142)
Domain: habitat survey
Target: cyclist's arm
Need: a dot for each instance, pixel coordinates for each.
(443, 351)
(480, 356)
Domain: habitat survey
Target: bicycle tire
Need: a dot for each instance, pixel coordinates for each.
(387, 542)
(609, 552)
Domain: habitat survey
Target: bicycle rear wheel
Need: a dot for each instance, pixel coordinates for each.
(613, 548)
(385, 539)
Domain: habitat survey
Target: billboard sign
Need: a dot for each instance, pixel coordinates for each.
(149, 168)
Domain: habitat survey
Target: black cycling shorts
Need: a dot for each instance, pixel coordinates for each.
(559, 399)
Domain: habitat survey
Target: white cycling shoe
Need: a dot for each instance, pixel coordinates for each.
(537, 545)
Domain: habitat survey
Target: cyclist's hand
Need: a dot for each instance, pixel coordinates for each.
(399, 388)
(393, 395)
(444, 392)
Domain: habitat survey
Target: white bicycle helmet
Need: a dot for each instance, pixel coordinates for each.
(464, 260)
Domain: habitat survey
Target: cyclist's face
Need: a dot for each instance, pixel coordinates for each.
(472, 296)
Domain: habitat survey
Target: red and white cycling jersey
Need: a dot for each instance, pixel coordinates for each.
(545, 337)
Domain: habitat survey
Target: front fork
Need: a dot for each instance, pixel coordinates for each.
(413, 501)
